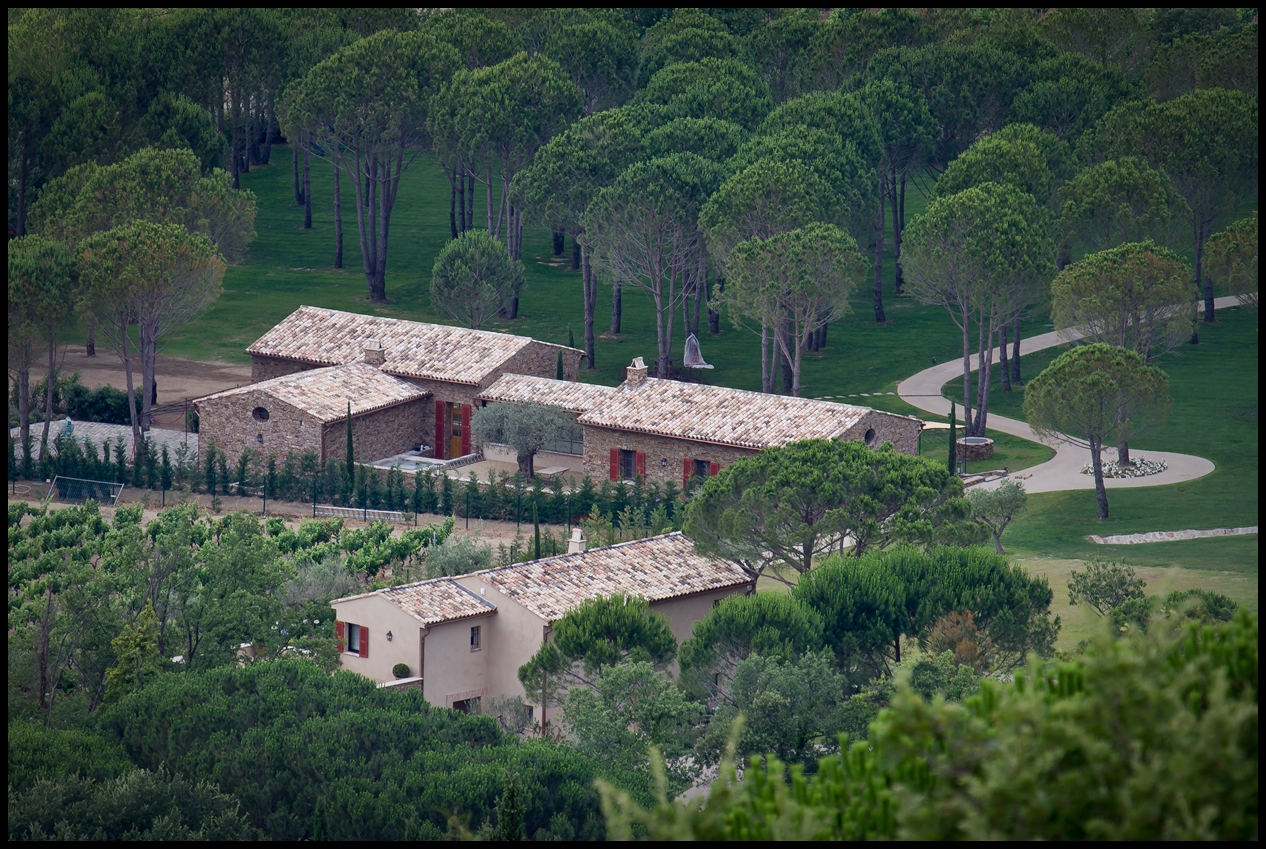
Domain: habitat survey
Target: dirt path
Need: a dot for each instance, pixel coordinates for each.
(177, 379)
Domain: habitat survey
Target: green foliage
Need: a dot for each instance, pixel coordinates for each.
(1118, 201)
(458, 555)
(1146, 737)
(792, 708)
(788, 505)
(1232, 260)
(997, 507)
(138, 805)
(474, 278)
(593, 635)
(1136, 295)
(301, 749)
(868, 604)
(136, 648)
(631, 706)
(774, 625)
(38, 753)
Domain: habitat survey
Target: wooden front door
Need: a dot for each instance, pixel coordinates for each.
(455, 430)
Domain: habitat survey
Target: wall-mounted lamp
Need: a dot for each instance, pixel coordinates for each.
(664, 462)
(388, 636)
(259, 437)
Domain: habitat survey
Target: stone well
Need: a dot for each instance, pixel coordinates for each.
(975, 448)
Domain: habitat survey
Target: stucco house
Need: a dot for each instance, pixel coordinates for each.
(466, 637)
(451, 363)
(668, 430)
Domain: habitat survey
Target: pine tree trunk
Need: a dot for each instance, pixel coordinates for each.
(1101, 493)
(338, 221)
(452, 204)
(1004, 364)
(1203, 281)
(1015, 352)
(617, 305)
(560, 242)
(590, 286)
(294, 173)
(879, 263)
(766, 380)
(714, 317)
(307, 190)
(470, 201)
(788, 372)
(575, 254)
(966, 378)
(898, 280)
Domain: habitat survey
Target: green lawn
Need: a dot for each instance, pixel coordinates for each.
(1214, 387)
(289, 266)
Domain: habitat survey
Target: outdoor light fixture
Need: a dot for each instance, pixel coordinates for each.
(664, 462)
(388, 636)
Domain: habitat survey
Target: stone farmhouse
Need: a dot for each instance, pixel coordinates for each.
(464, 638)
(414, 387)
(411, 385)
(668, 430)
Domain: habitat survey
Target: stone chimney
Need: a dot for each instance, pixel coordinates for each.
(374, 353)
(635, 375)
(576, 545)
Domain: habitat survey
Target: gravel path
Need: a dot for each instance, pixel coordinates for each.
(1063, 471)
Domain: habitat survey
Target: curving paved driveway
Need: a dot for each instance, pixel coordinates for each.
(1063, 471)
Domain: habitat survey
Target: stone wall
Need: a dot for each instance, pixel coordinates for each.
(600, 440)
(230, 422)
(266, 368)
(901, 431)
(537, 359)
(382, 433)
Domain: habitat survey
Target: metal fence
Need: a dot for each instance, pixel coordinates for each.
(362, 513)
(82, 489)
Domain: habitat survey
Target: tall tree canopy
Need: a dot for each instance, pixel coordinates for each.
(1098, 393)
(1118, 201)
(787, 506)
(1233, 260)
(366, 109)
(982, 254)
(473, 278)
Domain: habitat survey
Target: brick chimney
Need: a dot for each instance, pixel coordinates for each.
(374, 353)
(576, 545)
(635, 375)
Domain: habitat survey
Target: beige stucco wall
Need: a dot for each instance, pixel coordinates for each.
(229, 422)
(453, 671)
(600, 440)
(382, 433)
(513, 636)
(380, 616)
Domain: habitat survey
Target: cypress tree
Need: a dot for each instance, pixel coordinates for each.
(558, 369)
(351, 461)
(165, 471)
(510, 812)
(536, 530)
(571, 338)
(953, 438)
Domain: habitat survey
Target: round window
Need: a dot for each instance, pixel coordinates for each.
(870, 437)
(259, 414)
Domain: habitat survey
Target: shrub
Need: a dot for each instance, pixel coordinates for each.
(400, 670)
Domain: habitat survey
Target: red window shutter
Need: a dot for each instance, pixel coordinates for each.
(686, 471)
(615, 464)
(639, 464)
(465, 429)
(713, 468)
(364, 641)
(439, 430)
(340, 629)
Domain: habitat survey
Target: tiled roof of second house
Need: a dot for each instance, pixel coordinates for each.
(324, 393)
(569, 395)
(413, 348)
(437, 600)
(721, 415)
(656, 569)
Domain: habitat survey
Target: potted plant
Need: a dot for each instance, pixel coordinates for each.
(400, 670)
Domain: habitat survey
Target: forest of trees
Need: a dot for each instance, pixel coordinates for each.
(747, 164)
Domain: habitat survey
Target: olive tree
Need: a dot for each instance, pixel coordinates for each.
(524, 427)
(997, 507)
(1098, 393)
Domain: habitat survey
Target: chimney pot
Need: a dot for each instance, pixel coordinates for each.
(635, 375)
(576, 545)
(374, 353)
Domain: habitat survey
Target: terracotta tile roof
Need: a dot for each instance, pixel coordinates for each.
(569, 395)
(437, 600)
(414, 349)
(324, 392)
(721, 415)
(656, 569)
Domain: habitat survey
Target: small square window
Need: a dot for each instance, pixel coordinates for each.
(701, 468)
(475, 638)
